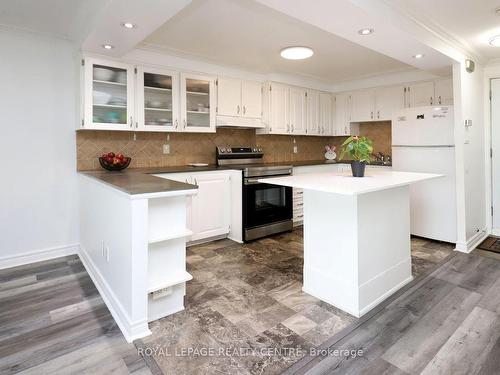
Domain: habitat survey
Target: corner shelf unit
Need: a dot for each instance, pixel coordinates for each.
(167, 239)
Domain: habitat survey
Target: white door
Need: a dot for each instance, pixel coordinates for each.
(363, 106)
(495, 145)
(197, 97)
(420, 94)
(157, 100)
(342, 114)
(312, 112)
(279, 109)
(251, 99)
(297, 111)
(443, 92)
(109, 95)
(211, 205)
(432, 202)
(325, 112)
(229, 97)
(388, 100)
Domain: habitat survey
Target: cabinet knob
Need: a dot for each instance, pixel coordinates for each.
(238, 109)
(244, 109)
(439, 98)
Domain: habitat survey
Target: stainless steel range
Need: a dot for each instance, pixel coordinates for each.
(267, 209)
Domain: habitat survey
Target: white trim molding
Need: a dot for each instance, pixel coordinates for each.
(472, 243)
(38, 256)
(131, 330)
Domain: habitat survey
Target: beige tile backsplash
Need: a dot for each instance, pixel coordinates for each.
(147, 149)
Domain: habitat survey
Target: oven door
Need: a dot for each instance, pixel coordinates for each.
(265, 204)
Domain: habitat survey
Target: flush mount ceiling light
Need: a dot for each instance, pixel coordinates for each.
(366, 31)
(107, 46)
(495, 41)
(296, 53)
(128, 25)
(418, 56)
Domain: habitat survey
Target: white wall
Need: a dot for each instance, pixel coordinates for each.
(470, 151)
(38, 189)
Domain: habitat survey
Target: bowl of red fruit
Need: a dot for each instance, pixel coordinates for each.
(113, 162)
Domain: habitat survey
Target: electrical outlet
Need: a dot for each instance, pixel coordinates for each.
(166, 149)
(295, 149)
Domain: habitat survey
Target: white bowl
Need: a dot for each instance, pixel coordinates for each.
(100, 97)
(103, 74)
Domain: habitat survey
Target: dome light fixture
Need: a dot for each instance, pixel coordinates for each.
(296, 53)
(366, 31)
(418, 56)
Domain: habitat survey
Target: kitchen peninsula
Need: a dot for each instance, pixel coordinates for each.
(356, 235)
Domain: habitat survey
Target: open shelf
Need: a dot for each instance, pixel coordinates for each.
(198, 112)
(171, 280)
(172, 236)
(196, 93)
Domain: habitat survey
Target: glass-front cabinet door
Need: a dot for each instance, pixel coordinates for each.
(157, 100)
(197, 103)
(109, 95)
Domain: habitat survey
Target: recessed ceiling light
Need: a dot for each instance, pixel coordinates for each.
(296, 53)
(418, 56)
(495, 41)
(366, 31)
(107, 46)
(128, 25)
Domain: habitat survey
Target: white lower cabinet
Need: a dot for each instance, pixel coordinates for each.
(210, 208)
(209, 211)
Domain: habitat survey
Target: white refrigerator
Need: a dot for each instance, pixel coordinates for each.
(423, 141)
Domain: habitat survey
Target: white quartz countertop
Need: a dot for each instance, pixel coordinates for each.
(344, 183)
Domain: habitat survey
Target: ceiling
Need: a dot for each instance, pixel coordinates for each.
(248, 35)
(469, 22)
(69, 19)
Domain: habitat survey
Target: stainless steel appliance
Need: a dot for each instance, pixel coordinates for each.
(267, 209)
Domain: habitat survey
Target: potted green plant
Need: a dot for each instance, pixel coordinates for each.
(359, 150)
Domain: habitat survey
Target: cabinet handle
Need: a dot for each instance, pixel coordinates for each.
(439, 97)
(345, 130)
(244, 109)
(378, 114)
(431, 100)
(371, 115)
(293, 127)
(176, 124)
(238, 109)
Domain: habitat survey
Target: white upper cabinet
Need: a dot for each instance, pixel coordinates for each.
(342, 114)
(388, 100)
(325, 113)
(157, 100)
(312, 109)
(280, 106)
(229, 97)
(420, 94)
(108, 95)
(443, 92)
(197, 98)
(363, 106)
(298, 120)
(251, 99)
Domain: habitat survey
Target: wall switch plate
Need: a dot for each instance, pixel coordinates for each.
(295, 149)
(166, 149)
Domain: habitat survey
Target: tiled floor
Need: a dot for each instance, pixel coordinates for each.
(245, 311)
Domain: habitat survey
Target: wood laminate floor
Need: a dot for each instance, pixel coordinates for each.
(53, 321)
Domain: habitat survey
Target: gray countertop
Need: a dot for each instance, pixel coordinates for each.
(141, 180)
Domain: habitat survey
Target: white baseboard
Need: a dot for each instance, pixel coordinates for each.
(131, 330)
(38, 256)
(471, 244)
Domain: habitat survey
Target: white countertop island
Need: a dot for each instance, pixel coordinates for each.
(356, 235)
